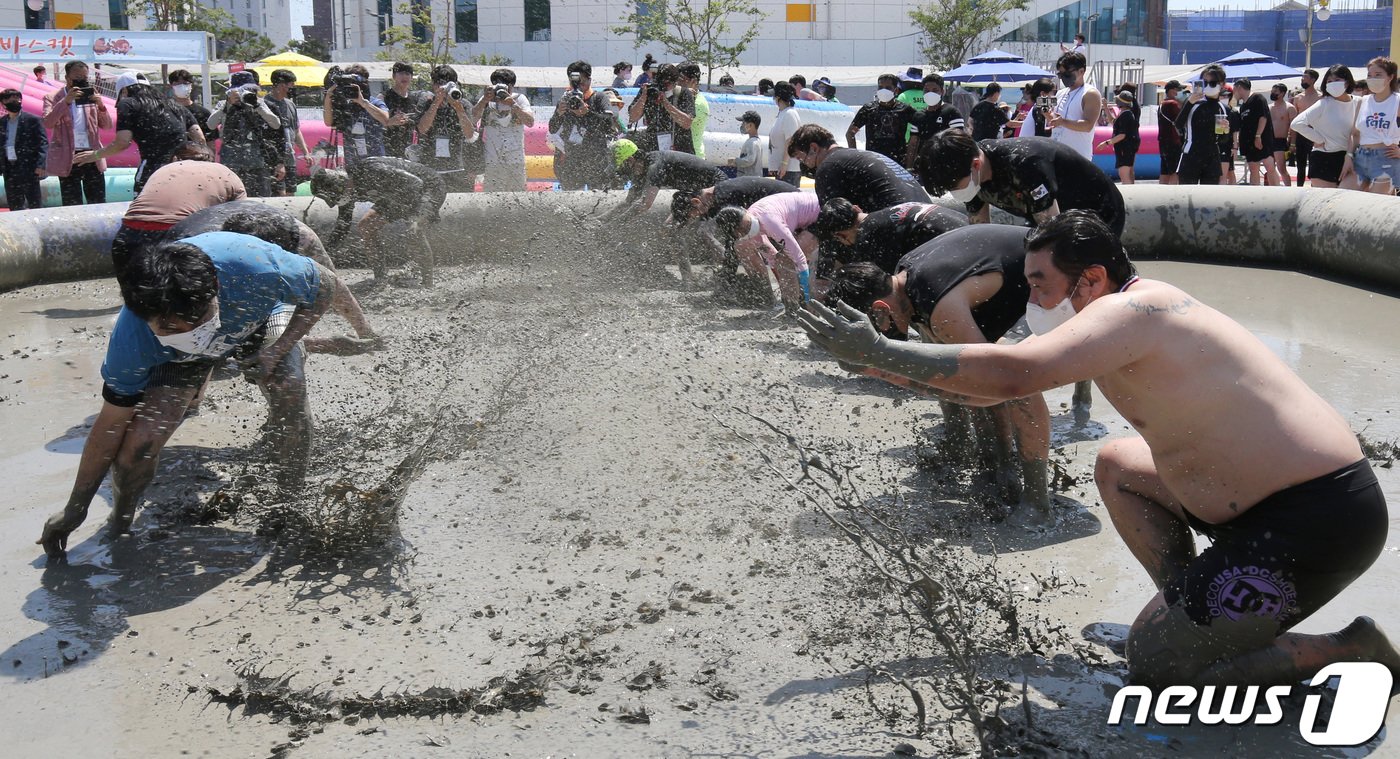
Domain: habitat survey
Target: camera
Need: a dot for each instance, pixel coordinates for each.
(85, 91)
(501, 92)
(572, 100)
(347, 87)
(653, 91)
(575, 78)
(1045, 102)
(452, 90)
(250, 97)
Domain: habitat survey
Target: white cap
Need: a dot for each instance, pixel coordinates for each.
(130, 78)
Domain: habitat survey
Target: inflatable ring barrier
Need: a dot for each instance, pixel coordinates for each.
(1341, 234)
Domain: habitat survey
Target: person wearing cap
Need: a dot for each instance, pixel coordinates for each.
(242, 117)
(75, 116)
(651, 172)
(157, 124)
(400, 191)
(750, 162)
(911, 88)
(885, 121)
(934, 117)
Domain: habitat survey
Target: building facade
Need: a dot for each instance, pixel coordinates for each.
(279, 20)
(66, 14)
(1348, 36)
(830, 32)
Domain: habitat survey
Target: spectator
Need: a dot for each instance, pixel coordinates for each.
(1077, 47)
(504, 114)
(75, 117)
(622, 74)
(182, 90)
(936, 117)
(884, 119)
(963, 100)
(912, 86)
(1281, 113)
(357, 117)
(1077, 106)
(987, 116)
(824, 88)
(668, 110)
(405, 107)
(242, 117)
(1042, 102)
(1256, 135)
(1201, 119)
(286, 141)
(154, 122)
(648, 65)
(1302, 146)
(23, 152)
(780, 163)
(1229, 139)
(580, 130)
(750, 161)
(726, 85)
(1126, 136)
(799, 85)
(41, 73)
(1168, 138)
(1376, 138)
(445, 130)
(690, 80)
(764, 88)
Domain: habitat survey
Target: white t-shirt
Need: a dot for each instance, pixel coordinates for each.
(504, 139)
(80, 133)
(1069, 104)
(1377, 121)
(784, 126)
(1328, 122)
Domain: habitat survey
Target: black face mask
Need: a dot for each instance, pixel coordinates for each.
(1274, 96)
(1307, 85)
(12, 106)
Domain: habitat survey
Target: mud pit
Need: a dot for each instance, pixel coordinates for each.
(588, 560)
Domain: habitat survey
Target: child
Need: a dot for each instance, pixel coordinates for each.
(749, 163)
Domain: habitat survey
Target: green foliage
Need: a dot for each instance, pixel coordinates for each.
(953, 28)
(312, 48)
(696, 30)
(401, 44)
(166, 14)
(232, 42)
(85, 26)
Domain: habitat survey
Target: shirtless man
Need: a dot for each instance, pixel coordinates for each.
(1304, 100)
(1237, 448)
(1281, 113)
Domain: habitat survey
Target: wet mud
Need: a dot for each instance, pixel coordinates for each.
(575, 510)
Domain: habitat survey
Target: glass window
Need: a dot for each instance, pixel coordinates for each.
(537, 21)
(644, 9)
(116, 14)
(384, 15)
(1120, 22)
(467, 30)
(420, 10)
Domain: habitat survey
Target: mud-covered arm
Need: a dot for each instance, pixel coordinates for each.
(104, 440)
(344, 221)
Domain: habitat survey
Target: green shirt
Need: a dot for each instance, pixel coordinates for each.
(915, 99)
(697, 125)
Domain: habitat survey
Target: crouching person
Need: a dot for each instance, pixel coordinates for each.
(189, 306)
(401, 191)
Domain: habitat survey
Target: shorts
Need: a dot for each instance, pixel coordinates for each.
(1255, 156)
(1227, 153)
(1372, 164)
(1289, 554)
(1326, 167)
(1124, 156)
(1171, 158)
(1195, 169)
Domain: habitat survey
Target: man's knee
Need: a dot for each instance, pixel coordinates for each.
(1114, 460)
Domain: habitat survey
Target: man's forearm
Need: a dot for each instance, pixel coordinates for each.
(942, 367)
(305, 317)
(923, 388)
(103, 442)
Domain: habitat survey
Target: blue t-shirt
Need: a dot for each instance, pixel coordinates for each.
(255, 278)
(365, 137)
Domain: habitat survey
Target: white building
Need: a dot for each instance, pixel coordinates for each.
(827, 32)
(65, 14)
(278, 20)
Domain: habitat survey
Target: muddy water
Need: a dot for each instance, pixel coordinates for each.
(597, 519)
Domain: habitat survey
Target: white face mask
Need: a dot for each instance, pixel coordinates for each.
(1336, 88)
(883, 95)
(1213, 91)
(1043, 320)
(181, 90)
(932, 99)
(197, 340)
(1377, 84)
(676, 90)
(968, 193)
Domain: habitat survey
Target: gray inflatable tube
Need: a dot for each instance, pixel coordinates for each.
(1340, 234)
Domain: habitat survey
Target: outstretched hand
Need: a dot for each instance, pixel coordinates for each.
(848, 336)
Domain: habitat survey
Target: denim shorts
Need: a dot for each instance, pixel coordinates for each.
(1372, 164)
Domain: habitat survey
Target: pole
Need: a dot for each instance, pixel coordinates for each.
(1307, 53)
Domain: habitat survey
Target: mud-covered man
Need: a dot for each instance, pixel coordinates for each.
(188, 307)
(1237, 448)
(401, 191)
(867, 179)
(884, 237)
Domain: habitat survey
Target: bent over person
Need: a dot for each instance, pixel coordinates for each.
(190, 306)
(1232, 445)
(401, 190)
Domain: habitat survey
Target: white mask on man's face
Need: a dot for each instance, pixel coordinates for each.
(196, 340)
(932, 99)
(884, 95)
(969, 193)
(1043, 320)
(181, 90)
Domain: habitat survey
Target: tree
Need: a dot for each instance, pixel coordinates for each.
(696, 30)
(419, 42)
(165, 15)
(311, 48)
(232, 42)
(85, 26)
(953, 28)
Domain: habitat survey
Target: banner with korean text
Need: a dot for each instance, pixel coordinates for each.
(114, 46)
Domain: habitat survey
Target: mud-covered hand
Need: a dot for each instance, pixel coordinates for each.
(259, 366)
(848, 335)
(57, 528)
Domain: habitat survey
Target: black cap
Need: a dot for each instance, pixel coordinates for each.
(751, 117)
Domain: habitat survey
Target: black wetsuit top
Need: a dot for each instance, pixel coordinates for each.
(890, 233)
(885, 126)
(672, 169)
(987, 120)
(1031, 173)
(213, 218)
(867, 179)
(399, 189)
(745, 191)
(939, 265)
(935, 119)
(1196, 123)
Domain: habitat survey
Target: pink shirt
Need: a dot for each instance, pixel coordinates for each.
(779, 217)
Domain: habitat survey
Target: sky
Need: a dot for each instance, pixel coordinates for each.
(1250, 5)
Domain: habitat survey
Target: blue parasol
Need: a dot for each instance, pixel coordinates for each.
(1253, 66)
(997, 66)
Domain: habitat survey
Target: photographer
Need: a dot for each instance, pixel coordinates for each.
(580, 130)
(75, 118)
(668, 110)
(242, 116)
(444, 130)
(287, 141)
(504, 114)
(405, 107)
(157, 124)
(358, 118)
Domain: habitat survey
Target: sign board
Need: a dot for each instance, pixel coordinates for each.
(236, 66)
(104, 46)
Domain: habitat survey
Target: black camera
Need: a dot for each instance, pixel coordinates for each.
(250, 97)
(85, 93)
(452, 90)
(653, 91)
(1045, 102)
(575, 77)
(347, 88)
(572, 100)
(501, 91)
